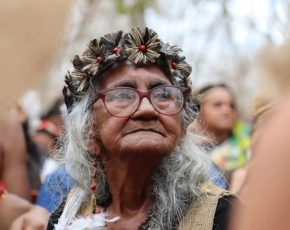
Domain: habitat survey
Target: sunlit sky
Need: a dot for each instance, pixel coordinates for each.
(182, 24)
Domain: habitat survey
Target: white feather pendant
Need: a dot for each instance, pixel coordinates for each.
(93, 222)
(71, 209)
(69, 220)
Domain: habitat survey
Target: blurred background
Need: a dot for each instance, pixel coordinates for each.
(220, 39)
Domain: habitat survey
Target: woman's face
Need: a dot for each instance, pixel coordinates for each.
(144, 132)
(217, 110)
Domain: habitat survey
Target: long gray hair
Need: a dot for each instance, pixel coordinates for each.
(176, 183)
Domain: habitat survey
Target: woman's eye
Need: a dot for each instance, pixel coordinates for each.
(217, 104)
(164, 94)
(123, 96)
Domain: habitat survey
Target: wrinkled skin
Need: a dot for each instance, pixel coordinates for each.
(146, 131)
(131, 148)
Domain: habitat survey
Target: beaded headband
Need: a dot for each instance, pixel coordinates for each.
(141, 47)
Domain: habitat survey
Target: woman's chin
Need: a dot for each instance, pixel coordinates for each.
(147, 148)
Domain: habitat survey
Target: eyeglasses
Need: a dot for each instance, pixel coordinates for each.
(123, 101)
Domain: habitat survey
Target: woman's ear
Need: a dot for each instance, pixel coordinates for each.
(94, 149)
(95, 145)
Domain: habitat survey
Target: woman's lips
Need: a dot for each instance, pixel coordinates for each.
(146, 130)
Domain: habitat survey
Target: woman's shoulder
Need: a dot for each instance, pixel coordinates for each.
(222, 202)
(225, 207)
(212, 211)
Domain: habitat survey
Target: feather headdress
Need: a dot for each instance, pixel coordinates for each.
(141, 47)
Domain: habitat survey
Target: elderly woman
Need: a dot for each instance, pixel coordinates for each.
(125, 142)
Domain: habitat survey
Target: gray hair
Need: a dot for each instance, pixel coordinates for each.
(176, 183)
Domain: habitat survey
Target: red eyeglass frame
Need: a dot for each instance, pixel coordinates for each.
(141, 94)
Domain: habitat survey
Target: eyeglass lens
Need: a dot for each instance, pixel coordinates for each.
(123, 102)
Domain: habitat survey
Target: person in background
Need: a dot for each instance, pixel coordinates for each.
(265, 193)
(14, 157)
(262, 105)
(227, 139)
(20, 167)
(15, 191)
(46, 134)
(35, 158)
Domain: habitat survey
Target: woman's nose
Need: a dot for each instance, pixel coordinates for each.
(227, 109)
(145, 110)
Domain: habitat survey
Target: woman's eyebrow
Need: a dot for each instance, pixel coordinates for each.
(157, 82)
(125, 83)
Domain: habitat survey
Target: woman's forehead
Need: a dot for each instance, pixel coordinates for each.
(217, 93)
(126, 73)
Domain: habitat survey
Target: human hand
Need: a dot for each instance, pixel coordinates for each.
(35, 219)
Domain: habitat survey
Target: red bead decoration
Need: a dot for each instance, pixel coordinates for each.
(173, 65)
(84, 75)
(2, 190)
(95, 164)
(115, 50)
(97, 211)
(142, 48)
(98, 59)
(93, 187)
(94, 175)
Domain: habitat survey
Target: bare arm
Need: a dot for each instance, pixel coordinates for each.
(14, 156)
(266, 194)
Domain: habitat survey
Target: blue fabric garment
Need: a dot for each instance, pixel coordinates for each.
(217, 178)
(55, 187)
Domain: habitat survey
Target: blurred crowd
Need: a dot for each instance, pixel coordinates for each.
(240, 150)
(27, 142)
